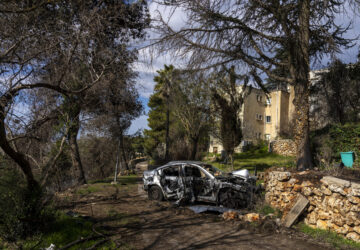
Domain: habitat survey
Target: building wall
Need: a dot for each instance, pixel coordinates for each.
(215, 145)
(253, 115)
(281, 110)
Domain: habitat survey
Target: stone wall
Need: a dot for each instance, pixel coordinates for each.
(334, 203)
(283, 147)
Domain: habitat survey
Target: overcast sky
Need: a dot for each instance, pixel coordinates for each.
(147, 67)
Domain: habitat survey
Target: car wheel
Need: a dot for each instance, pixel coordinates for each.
(155, 193)
(230, 199)
(225, 199)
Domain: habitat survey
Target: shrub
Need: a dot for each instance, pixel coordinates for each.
(22, 213)
(328, 142)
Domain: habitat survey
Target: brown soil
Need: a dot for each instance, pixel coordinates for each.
(135, 222)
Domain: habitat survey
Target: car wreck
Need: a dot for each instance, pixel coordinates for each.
(191, 181)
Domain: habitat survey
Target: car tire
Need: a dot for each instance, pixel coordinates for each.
(229, 199)
(155, 193)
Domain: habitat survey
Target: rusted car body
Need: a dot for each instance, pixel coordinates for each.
(190, 181)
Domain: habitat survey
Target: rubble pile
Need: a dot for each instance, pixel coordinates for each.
(250, 217)
(284, 147)
(334, 203)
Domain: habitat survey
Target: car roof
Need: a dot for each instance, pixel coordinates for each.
(188, 162)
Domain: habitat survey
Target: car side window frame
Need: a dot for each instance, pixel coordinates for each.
(207, 175)
(171, 166)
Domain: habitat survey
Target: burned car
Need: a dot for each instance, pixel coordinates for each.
(190, 181)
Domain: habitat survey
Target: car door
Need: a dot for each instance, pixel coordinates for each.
(199, 182)
(171, 181)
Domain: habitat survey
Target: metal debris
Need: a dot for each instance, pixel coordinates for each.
(203, 208)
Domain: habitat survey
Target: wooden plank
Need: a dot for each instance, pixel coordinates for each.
(296, 210)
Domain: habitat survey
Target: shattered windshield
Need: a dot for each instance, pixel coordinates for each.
(213, 170)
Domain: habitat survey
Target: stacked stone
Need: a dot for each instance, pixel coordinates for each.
(334, 203)
(283, 147)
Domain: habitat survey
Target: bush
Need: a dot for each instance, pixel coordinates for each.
(328, 142)
(259, 147)
(22, 213)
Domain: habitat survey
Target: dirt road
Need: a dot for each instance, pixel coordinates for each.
(142, 224)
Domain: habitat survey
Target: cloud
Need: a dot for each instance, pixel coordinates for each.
(138, 124)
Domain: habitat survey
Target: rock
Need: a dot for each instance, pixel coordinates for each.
(353, 236)
(325, 190)
(355, 190)
(338, 219)
(251, 217)
(310, 208)
(306, 184)
(281, 176)
(230, 215)
(355, 208)
(293, 181)
(352, 219)
(329, 180)
(322, 215)
(354, 200)
(322, 224)
(357, 229)
(337, 189)
(340, 230)
(307, 191)
(278, 221)
(282, 186)
(317, 192)
(297, 188)
(312, 218)
(268, 197)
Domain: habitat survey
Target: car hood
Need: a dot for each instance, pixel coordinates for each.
(244, 173)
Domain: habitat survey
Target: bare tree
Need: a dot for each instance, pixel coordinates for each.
(191, 106)
(44, 45)
(219, 32)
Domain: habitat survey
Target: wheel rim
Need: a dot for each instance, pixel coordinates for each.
(154, 193)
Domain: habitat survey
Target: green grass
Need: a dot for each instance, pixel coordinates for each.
(331, 237)
(89, 189)
(266, 209)
(64, 230)
(256, 159)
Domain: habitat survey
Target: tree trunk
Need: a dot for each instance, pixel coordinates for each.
(121, 138)
(167, 139)
(117, 162)
(231, 156)
(74, 152)
(18, 157)
(195, 141)
(302, 90)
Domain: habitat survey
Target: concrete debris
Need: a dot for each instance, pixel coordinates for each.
(251, 217)
(230, 215)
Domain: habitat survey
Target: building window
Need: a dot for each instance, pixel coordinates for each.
(267, 137)
(268, 119)
(259, 136)
(259, 117)
(259, 98)
(268, 101)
